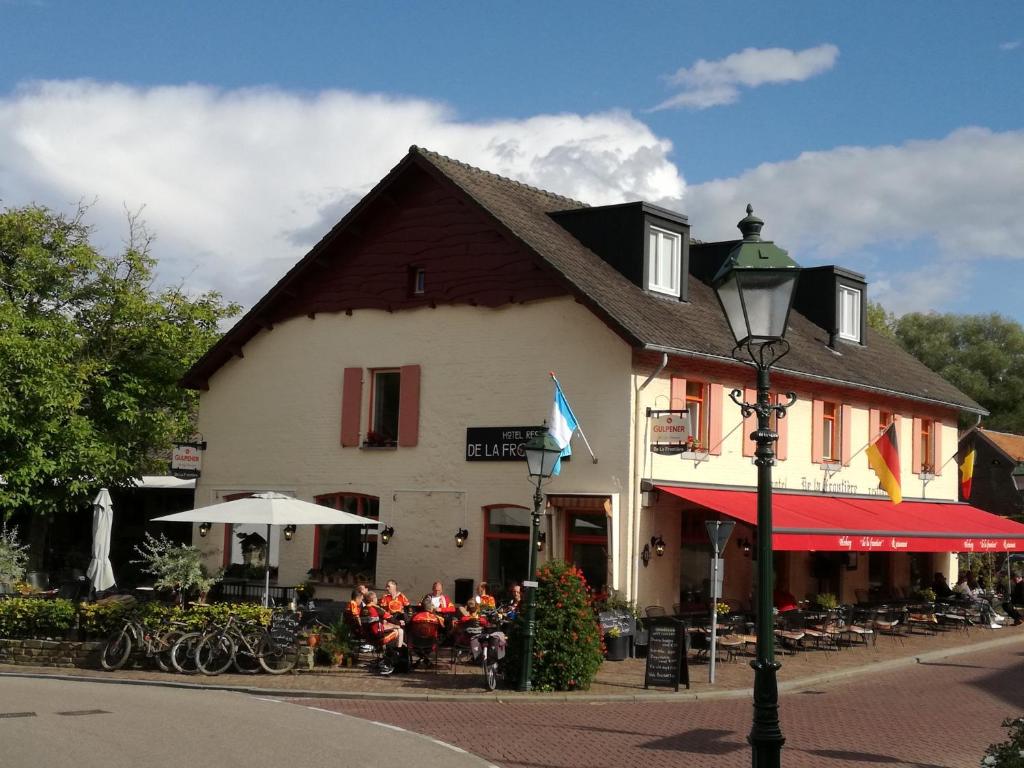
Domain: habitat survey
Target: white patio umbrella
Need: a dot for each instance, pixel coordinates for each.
(100, 573)
(268, 509)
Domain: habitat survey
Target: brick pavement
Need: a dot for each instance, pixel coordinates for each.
(939, 714)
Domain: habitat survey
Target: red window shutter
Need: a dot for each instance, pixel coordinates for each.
(937, 447)
(409, 406)
(874, 424)
(749, 423)
(351, 402)
(817, 434)
(782, 427)
(715, 407)
(677, 395)
(846, 433)
(915, 447)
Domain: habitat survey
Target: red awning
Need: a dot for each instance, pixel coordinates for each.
(834, 524)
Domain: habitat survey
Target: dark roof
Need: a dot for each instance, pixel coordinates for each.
(1010, 444)
(693, 328)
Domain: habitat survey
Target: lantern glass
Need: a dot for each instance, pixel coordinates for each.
(1018, 477)
(542, 453)
(757, 302)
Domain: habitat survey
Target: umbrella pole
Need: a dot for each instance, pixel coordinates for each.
(266, 583)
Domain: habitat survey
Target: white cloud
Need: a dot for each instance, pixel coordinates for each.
(714, 83)
(238, 184)
(1010, 45)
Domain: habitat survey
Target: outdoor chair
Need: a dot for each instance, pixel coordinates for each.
(855, 631)
(891, 622)
(863, 598)
(423, 638)
(922, 616)
(461, 645)
(790, 631)
(822, 630)
(952, 616)
(653, 611)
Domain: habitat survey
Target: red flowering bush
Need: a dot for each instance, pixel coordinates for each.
(567, 640)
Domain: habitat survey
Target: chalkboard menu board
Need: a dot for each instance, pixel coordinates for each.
(666, 655)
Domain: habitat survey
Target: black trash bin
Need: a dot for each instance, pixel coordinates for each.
(463, 591)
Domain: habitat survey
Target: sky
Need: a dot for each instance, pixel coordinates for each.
(884, 137)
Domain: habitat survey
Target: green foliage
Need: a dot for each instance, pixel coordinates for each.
(982, 355)
(615, 603)
(12, 555)
(90, 357)
(880, 320)
(100, 619)
(32, 617)
(337, 638)
(567, 649)
(1009, 753)
(175, 566)
(827, 601)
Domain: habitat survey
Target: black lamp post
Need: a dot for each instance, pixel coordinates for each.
(1018, 477)
(755, 286)
(542, 454)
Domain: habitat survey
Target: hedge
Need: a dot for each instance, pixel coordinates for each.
(35, 618)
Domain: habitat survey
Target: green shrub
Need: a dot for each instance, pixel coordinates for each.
(567, 648)
(32, 617)
(13, 555)
(1009, 753)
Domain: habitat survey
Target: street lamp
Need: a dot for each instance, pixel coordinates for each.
(542, 453)
(1018, 477)
(755, 287)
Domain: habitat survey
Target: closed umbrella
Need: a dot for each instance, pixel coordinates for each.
(100, 573)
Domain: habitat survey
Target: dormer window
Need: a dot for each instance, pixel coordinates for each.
(664, 256)
(849, 313)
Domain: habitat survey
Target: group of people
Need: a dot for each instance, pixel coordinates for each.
(969, 590)
(387, 616)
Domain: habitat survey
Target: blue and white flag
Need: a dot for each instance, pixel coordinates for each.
(562, 425)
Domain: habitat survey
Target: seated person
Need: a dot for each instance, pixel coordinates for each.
(974, 594)
(440, 600)
(783, 600)
(426, 612)
(940, 587)
(386, 633)
(1017, 589)
(1012, 596)
(394, 602)
(515, 599)
(355, 605)
(483, 599)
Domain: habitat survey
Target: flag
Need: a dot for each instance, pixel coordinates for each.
(562, 425)
(967, 474)
(884, 458)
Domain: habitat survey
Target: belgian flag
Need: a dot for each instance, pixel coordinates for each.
(884, 458)
(967, 473)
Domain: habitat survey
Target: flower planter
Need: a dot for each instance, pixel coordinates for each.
(616, 648)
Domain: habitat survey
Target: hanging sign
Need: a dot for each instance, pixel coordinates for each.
(187, 459)
(670, 431)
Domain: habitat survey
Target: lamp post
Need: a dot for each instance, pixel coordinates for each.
(1018, 477)
(755, 287)
(542, 453)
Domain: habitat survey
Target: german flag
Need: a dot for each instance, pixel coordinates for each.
(967, 474)
(884, 458)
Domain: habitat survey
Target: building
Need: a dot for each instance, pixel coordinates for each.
(997, 456)
(396, 369)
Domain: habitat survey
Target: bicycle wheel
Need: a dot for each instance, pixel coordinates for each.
(276, 658)
(214, 653)
(183, 653)
(246, 658)
(117, 650)
(490, 669)
(162, 652)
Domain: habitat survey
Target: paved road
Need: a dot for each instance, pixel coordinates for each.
(935, 715)
(94, 725)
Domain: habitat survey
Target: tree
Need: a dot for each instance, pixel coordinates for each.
(90, 357)
(882, 321)
(982, 355)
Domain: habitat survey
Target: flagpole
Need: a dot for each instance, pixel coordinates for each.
(578, 427)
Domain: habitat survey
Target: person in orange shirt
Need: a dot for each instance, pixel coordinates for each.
(355, 605)
(426, 612)
(377, 619)
(394, 602)
(482, 599)
(440, 601)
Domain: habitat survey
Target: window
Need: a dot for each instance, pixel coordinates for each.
(586, 546)
(664, 257)
(696, 404)
(346, 554)
(384, 408)
(849, 313)
(884, 420)
(927, 446)
(506, 545)
(417, 280)
(830, 431)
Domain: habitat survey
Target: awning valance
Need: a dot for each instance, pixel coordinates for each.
(841, 524)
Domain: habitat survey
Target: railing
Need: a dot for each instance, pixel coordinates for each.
(249, 592)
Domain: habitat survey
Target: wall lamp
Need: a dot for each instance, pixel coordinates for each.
(289, 532)
(204, 528)
(659, 545)
(745, 545)
(541, 538)
(460, 537)
(386, 533)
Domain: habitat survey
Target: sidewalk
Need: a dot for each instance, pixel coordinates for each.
(615, 681)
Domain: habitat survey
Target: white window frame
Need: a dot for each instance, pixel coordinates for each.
(662, 240)
(848, 294)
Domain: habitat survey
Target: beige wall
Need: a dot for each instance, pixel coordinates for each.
(272, 418)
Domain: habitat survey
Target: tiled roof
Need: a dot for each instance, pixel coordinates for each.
(694, 327)
(1011, 445)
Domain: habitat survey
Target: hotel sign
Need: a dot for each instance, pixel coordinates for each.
(499, 443)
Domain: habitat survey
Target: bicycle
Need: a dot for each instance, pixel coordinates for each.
(489, 650)
(250, 647)
(134, 635)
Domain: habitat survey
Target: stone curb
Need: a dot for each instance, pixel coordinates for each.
(802, 683)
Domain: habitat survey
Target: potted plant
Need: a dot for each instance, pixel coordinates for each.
(616, 644)
(336, 641)
(177, 567)
(827, 601)
(13, 557)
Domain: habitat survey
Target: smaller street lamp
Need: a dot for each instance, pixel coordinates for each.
(204, 528)
(289, 532)
(386, 533)
(542, 454)
(460, 537)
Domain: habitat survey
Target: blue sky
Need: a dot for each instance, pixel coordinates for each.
(886, 137)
